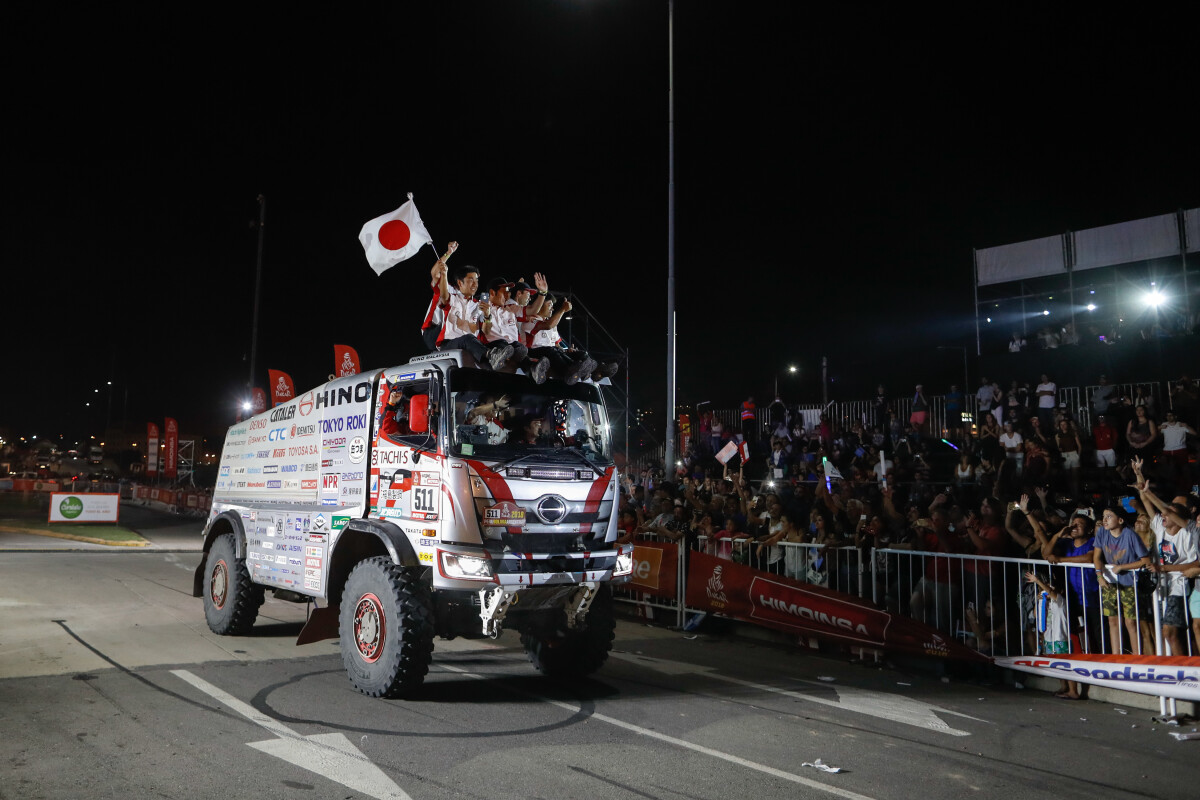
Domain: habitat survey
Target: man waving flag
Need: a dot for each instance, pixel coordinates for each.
(394, 237)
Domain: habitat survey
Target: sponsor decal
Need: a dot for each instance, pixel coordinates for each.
(309, 572)
(256, 484)
(303, 430)
(281, 559)
(303, 450)
(312, 466)
(274, 484)
(283, 413)
(277, 435)
(456, 465)
(329, 483)
(313, 552)
(351, 491)
(258, 424)
(224, 472)
(352, 476)
(331, 501)
(256, 439)
(270, 469)
(318, 522)
(358, 450)
(71, 507)
(306, 404)
(308, 484)
(335, 443)
(389, 455)
(278, 452)
(312, 536)
(429, 479)
(427, 557)
(253, 470)
(310, 583)
(359, 393)
(339, 522)
(291, 485)
(391, 512)
(290, 468)
(312, 562)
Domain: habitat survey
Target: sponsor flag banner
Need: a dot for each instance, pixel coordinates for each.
(394, 237)
(282, 386)
(654, 568)
(744, 452)
(86, 507)
(171, 451)
(151, 449)
(724, 587)
(345, 361)
(258, 401)
(1161, 676)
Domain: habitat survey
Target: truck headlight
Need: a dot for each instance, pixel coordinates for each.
(624, 565)
(470, 568)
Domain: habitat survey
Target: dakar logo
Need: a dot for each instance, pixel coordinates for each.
(937, 647)
(716, 589)
(282, 389)
(70, 507)
(347, 368)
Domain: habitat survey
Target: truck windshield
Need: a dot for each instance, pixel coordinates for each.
(502, 416)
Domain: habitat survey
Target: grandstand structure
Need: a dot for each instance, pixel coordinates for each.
(1137, 279)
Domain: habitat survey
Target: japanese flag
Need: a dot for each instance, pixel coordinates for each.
(394, 237)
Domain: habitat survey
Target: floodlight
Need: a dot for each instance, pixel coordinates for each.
(1091, 306)
(1154, 298)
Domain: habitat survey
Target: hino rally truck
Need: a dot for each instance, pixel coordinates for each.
(427, 499)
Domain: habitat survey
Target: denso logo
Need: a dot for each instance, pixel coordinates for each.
(282, 413)
(277, 434)
(257, 424)
(359, 393)
(303, 430)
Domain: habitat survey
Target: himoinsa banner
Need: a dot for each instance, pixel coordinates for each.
(171, 451)
(84, 507)
(719, 585)
(345, 361)
(654, 568)
(282, 387)
(151, 449)
(1161, 676)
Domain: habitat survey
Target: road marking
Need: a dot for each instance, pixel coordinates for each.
(699, 748)
(884, 705)
(330, 755)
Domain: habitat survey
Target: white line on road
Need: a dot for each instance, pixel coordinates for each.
(330, 755)
(708, 751)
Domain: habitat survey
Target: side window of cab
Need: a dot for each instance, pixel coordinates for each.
(406, 417)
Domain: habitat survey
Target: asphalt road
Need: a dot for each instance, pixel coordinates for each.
(112, 685)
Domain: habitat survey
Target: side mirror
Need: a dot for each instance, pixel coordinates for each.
(418, 413)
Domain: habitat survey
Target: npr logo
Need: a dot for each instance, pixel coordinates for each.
(329, 483)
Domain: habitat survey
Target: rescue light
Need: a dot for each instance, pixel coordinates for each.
(468, 568)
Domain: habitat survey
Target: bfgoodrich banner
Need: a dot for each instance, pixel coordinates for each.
(85, 507)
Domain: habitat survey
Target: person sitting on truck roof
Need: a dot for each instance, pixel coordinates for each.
(506, 330)
(526, 302)
(465, 320)
(568, 365)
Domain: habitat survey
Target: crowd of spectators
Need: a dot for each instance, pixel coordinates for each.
(1026, 481)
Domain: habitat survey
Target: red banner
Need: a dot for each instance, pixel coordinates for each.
(151, 449)
(345, 361)
(654, 568)
(719, 585)
(282, 388)
(171, 451)
(258, 401)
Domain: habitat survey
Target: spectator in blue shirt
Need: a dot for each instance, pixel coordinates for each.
(1119, 551)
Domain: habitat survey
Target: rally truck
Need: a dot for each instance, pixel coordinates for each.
(429, 499)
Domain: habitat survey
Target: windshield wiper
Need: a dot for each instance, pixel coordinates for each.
(516, 460)
(577, 454)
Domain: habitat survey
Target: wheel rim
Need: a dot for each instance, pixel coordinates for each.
(218, 584)
(369, 627)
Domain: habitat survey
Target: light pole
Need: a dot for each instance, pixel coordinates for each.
(669, 455)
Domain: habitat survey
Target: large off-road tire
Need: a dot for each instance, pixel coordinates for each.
(386, 628)
(231, 601)
(581, 651)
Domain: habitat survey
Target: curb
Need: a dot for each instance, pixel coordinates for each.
(72, 537)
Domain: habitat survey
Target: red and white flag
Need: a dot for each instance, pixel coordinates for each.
(282, 387)
(345, 361)
(394, 237)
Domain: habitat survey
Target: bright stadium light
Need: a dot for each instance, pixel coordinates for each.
(1154, 298)
(1045, 313)
(1091, 306)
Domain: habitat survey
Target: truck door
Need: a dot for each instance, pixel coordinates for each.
(407, 457)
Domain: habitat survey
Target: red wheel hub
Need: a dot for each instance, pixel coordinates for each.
(218, 584)
(369, 627)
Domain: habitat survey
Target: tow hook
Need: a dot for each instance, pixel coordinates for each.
(493, 605)
(579, 603)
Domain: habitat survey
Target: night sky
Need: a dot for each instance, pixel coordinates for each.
(833, 171)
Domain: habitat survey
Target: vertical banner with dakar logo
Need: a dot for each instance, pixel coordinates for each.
(258, 401)
(171, 451)
(282, 387)
(151, 450)
(345, 361)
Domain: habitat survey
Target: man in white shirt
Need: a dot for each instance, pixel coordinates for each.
(1013, 446)
(466, 319)
(1174, 434)
(504, 331)
(1047, 395)
(1178, 551)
